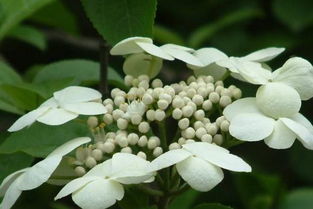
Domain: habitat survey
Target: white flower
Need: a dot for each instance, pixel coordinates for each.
(31, 178)
(200, 163)
(65, 105)
(249, 123)
(146, 58)
(135, 108)
(215, 62)
(102, 186)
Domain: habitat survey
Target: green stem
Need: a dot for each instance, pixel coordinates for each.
(225, 76)
(150, 191)
(162, 134)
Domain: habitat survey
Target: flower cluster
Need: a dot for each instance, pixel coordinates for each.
(183, 128)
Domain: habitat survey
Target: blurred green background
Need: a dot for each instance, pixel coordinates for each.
(59, 30)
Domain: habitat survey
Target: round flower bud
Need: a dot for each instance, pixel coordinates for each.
(207, 105)
(150, 115)
(159, 115)
(97, 154)
(225, 100)
(190, 133)
(214, 97)
(203, 92)
(205, 121)
(80, 154)
(211, 129)
(206, 138)
(109, 108)
(187, 111)
(163, 104)
(183, 123)
(128, 79)
(143, 84)
(197, 99)
(157, 92)
(198, 124)
(177, 88)
(119, 100)
(166, 97)
(92, 122)
(181, 141)
(143, 141)
(191, 79)
(173, 146)
(225, 126)
(135, 82)
(157, 151)
(193, 105)
(188, 141)
(218, 139)
(278, 100)
(191, 93)
(122, 123)
(136, 119)
(219, 83)
(140, 92)
(157, 83)
(170, 91)
(142, 155)
(143, 78)
(117, 114)
(199, 115)
(126, 150)
(144, 127)
(236, 93)
(90, 162)
(114, 92)
(177, 114)
(132, 138)
(219, 89)
(80, 171)
(108, 147)
(152, 143)
(122, 140)
(110, 135)
(226, 92)
(178, 102)
(99, 145)
(219, 120)
(108, 101)
(147, 99)
(200, 132)
(208, 79)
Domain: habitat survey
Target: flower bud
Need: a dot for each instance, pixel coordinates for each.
(122, 140)
(126, 150)
(183, 123)
(132, 138)
(200, 132)
(197, 125)
(97, 154)
(117, 114)
(80, 171)
(142, 155)
(207, 105)
(177, 113)
(136, 119)
(178, 102)
(181, 141)
(214, 97)
(108, 147)
(211, 129)
(157, 151)
(123, 107)
(187, 111)
(173, 146)
(108, 101)
(191, 93)
(219, 83)
(143, 84)
(150, 115)
(92, 122)
(218, 139)
(189, 141)
(157, 83)
(190, 133)
(219, 89)
(163, 104)
(119, 100)
(237, 93)
(152, 143)
(206, 138)
(225, 100)
(122, 123)
(143, 141)
(159, 115)
(109, 108)
(128, 80)
(219, 120)
(90, 162)
(197, 99)
(144, 127)
(147, 99)
(225, 126)
(199, 115)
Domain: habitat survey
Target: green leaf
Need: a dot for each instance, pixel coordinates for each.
(13, 162)
(81, 71)
(119, 19)
(38, 141)
(297, 15)
(185, 200)
(212, 206)
(64, 20)
(29, 35)
(298, 199)
(13, 12)
(206, 32)
(8, 74)
(165, 35)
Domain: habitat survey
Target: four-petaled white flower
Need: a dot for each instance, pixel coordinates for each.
(135, 108)
(102, 186)
(249, 123)
(146, 58)
(216, 62)
(65, 105)
(33, 177)
(200, 163)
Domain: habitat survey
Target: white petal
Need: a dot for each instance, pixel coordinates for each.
(99, 194)
(86, 108)
(264, 55)
(208, 56)
(251, 127)
(28, 119)
(297, 73)
(199, 174)
(245, 105)
(129, 46)
(218, 156)
(11, 196)
(252, 72)
(303, 121)
(56, 116)
(9, 180)
(76, 94)
(281, 138)
(39, 173)
(304, 134)
(75, 185)
(179, 47)
(130, 169)
(64, 173)
(154, 50)
(170, 158)
(101, 170)
(69, 146)
(52, 102)
(228, 63)
(213, 69)
(182, 55)
(142, 64)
